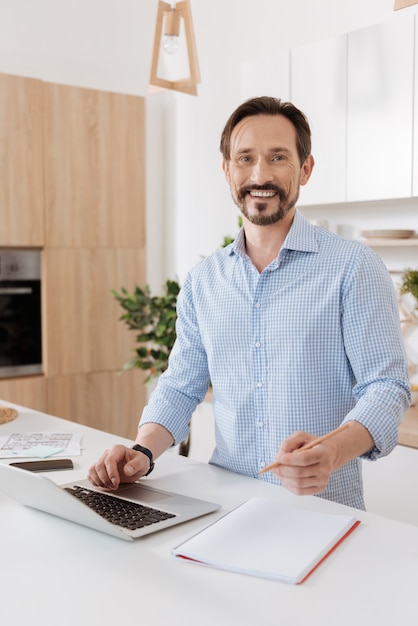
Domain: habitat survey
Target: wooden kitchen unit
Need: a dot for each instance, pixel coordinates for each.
(21, 157)
(74, 187)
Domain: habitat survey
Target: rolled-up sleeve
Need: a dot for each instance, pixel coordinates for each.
(183, 386)
(375, 349)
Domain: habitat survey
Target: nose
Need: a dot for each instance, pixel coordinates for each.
(261, 172)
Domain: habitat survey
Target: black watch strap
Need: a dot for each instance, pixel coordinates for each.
(148, 453)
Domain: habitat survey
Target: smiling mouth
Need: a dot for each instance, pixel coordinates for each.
(261, 194)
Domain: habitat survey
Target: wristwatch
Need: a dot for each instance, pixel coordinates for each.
(148, 453)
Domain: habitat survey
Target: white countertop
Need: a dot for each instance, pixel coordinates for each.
(62, 573)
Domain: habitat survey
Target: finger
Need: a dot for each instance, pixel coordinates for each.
(123, 465)
(302, 459)
(104, 473)
(99, 478)
(295, 441)
(92, 476)
(309, 485)
(110, 472)
(308, 480)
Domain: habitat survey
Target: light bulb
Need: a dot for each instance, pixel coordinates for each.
(171, 44)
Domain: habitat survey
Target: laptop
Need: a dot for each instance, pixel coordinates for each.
(133, 511)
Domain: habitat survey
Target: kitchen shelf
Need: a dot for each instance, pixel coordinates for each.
(386, 242)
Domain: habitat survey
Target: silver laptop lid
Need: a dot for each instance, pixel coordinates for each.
(39, 492)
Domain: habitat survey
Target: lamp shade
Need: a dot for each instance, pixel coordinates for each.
(402, 4)
(175, 22)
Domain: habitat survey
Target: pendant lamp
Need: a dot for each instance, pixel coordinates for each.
(402, 4)
(174, 29)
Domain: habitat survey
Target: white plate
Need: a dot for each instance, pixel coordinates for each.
(387, 234)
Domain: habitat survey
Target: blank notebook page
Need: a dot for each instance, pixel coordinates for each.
(265, 538)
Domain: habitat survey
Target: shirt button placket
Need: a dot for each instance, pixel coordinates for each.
(259, 386)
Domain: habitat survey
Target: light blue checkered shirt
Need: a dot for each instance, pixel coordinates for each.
(310, 342)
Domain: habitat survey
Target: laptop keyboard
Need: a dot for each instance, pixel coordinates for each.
(123, 513)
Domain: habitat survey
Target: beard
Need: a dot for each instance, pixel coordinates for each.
(285, 203)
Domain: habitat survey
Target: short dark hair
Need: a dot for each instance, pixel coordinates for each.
(268, 105)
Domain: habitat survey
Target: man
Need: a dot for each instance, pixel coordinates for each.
(296, 329)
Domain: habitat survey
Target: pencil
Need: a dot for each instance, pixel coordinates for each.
(307, 446)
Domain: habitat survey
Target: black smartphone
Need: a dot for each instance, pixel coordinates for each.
(45, 465)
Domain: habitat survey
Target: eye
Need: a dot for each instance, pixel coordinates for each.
(278, 157)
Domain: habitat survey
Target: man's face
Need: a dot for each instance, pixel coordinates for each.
(264, 172)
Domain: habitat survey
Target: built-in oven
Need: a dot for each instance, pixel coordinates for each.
(20, 313)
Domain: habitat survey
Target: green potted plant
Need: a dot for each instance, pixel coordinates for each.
(409, 284)
(154, 320)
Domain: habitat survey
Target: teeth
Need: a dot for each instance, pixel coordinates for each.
(262, 194)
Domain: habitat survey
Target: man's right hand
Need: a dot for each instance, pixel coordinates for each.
(118, 465)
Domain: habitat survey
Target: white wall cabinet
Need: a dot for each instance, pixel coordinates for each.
(358, 91)
(380, 111)
(318, 86)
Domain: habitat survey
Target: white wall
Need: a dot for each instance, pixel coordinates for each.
(106, 44)
(103, 44)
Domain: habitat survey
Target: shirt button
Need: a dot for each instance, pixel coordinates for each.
(259, 384)
(257, 344)
(260, 424)
(257, 305)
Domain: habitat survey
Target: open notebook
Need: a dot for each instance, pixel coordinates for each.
(265, 538)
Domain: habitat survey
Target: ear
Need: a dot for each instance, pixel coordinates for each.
(225, 168)
(306, 170)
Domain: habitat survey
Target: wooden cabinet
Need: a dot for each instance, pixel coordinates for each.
(21, 162)
(95, 242)
(94, 168)
(380, 116)
(319, 88)
(29, 391)
(67, 311)
(81, 197)
(83, 331)
(105, 400)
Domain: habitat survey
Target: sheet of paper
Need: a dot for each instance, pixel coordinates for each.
(40, 445)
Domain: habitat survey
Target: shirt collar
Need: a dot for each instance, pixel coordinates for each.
(301, 236)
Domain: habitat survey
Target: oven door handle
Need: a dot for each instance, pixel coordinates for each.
(6, 291)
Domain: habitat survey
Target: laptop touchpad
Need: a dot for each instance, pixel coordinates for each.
(142, 493)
